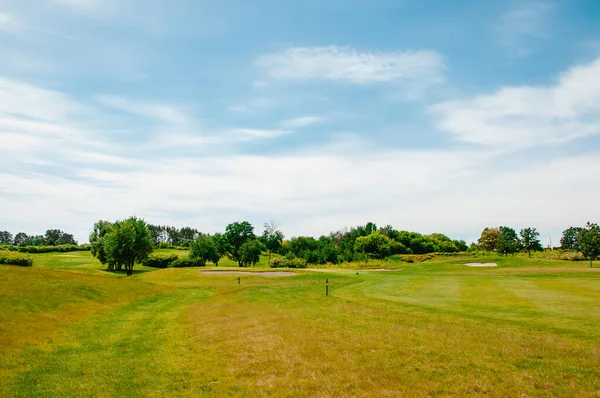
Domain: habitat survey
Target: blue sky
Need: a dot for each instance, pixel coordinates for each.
(433, 116)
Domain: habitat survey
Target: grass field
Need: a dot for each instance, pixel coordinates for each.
(528, 327)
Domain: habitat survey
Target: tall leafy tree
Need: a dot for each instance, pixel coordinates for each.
(489, 239)
(272, 238)
(570, 238)
(222, 246)
(203, 249)
(158, 234)
(188, 234)
(375, 245)
(52, 236)
(20, 238)
(530, 239)
(128, 242)
(237, 234)
(589, 241)
(6, 238)
(98, 241)
(508, 242)
(249, 253)
(173, 236)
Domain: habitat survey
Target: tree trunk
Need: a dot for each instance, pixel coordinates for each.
(529, 253)
(590, 263)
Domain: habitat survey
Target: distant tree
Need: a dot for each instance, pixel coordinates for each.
(66, 239)
(222, 246)
(173, 236)
(249, 253)
(52, 236)
(187, 235)
(203, 249)
(570, 238)
(489, 239)
(374, 245)
(589, 241)
(6, 238)
(237, 234)
(128, 242)
(20, 238)
(272, 238)
(158, 234)
(35, 240)
(98, 241)
(530, 240)
(461, 245)
(509, 242)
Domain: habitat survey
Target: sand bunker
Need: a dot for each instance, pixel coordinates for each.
(481, 264)
(264, 273)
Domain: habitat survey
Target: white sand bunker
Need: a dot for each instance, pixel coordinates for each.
(481, 264)
(264, 273)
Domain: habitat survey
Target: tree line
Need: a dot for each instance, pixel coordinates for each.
(504, 240)
(52, 237)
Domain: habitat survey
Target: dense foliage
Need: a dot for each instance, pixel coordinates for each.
(160, 260)
(15, 258)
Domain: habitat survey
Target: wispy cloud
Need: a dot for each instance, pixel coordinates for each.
(162, 112)
(345, 64)
(301, 121)
(255, 133)
(520, 27)
(529, 116)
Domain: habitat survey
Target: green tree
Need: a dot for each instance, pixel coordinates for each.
(589, 241)
(20, 238)
(375, 245)
(272, 238)
(6, 238)
(52, 236)
(237, 234)
(570, 238)
(203, 249)
(187, 235)
(249, 253)
(222, 246)
(509, 242)
(530, 240)
(128, 242)
(489, 239)
(158, 234)
(98, 241)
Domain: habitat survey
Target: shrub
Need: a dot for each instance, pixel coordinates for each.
(416, 258)
(50, 249)
(14, 258)
(164, 245)
(160, 260)
(286, 262)
(186, 262)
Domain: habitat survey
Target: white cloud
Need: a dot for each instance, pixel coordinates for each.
(162, 112)
(531, 20)
(301, 121)
(348, 65)
(256, 133)
(517, 117)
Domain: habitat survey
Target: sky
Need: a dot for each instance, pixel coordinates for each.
(432, 116)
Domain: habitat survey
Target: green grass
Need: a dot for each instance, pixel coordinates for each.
(529, 327)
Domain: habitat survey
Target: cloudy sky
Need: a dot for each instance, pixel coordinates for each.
(432, 116)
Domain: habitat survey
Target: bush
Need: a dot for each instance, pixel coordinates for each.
(49, 249)
(286, 262)
(160, 260)
(14, 258)
(164, 245)
(186, 262)
(416, 258)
